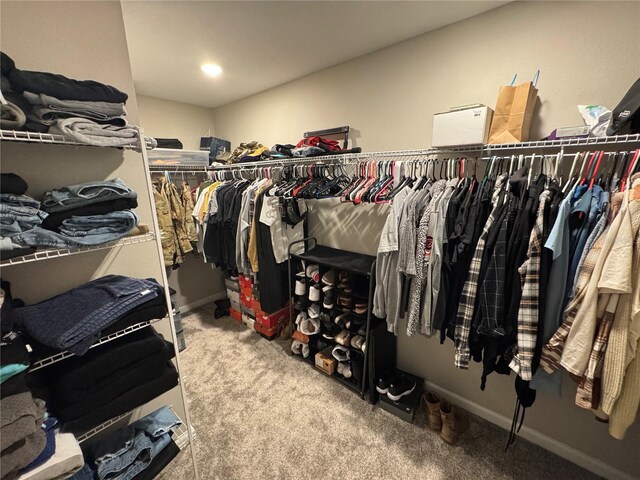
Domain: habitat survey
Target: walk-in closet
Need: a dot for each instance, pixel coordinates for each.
(307, 239)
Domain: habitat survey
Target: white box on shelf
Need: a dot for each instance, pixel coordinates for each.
(176, 157)
(461, 127)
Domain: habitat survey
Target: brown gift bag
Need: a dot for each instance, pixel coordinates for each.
(514, 110)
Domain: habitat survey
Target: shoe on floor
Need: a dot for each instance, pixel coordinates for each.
(401, 387)
(454, 422)
(432, 411)
(383, 384)
(346, 371)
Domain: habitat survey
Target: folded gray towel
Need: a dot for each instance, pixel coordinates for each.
(48, 109)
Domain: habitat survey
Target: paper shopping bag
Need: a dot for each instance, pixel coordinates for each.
(514, 111)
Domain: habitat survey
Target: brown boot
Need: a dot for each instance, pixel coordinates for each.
(432, 411)
(454, 422)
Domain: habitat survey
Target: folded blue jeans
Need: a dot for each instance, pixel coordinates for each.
(83, 194)
(81, 231)
(129, 451)
(18, 200)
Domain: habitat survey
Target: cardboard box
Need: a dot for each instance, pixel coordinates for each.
(325, 364)
(266, 332)
(461, 127)
(407, 406)
(245, 300)
(233, 296)
(273, 319)
(235, 314)
(248, 320)
(232, 284)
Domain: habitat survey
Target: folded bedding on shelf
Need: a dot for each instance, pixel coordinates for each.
(47, 109)
(88, 132)
(66, 460)
(129, 451)
(84, 194)
(135, 397)
(49, 427)
(74, 319)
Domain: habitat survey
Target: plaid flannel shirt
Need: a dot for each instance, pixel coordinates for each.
(528, 313)
(467, 299)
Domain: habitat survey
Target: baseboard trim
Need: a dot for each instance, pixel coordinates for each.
(203, 301)
(562, 449)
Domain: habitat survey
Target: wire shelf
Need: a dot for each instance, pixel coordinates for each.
(180, 432)
(103, 426)
(54, 139)
(45, 362)
(558, 143)
(64, 252)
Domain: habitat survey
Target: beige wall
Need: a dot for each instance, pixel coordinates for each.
(167, 119)
(88, 44)
(195, 281)
(586, 53)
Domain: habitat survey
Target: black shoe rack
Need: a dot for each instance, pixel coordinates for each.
(362, 269)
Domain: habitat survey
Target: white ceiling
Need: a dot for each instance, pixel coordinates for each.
(263, 44)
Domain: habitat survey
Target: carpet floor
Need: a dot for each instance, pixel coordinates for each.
(260, 414)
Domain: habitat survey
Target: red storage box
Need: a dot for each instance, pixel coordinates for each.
(246, 300)
(245, 282)
(268, 333)
(274, 319)
(235, 314)
(255, 306)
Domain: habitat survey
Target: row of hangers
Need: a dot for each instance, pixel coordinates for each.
(379, 180)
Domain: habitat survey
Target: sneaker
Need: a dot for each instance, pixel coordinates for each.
(301, 287)
(330, 330)
(357, 341)
(401, 387)
(299, 319)
(310, 326)
(346, 371)
(383, 384)
(314, 293)
(313, 272)
(341, 353)
(341, 320)
(296, 347)
(343, 338)
(314, 310)
(329, 294)
(329, 278)
(305, 350)
(340, 368)
(301, 304)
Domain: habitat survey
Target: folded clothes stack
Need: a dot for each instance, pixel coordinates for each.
(22, 439)
(110, 380)
(84, 111)
(87, 214)
(132, 451)
(75, 319)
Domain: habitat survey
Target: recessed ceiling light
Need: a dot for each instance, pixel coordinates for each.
(211, 69)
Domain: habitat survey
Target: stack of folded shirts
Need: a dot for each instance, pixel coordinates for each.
(63, 458)
(87, 214)
(75, 319)
(110, 380)
(22, 439)
(83, 111)
(132, 451)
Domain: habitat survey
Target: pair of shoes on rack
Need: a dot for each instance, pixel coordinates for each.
(328, 297)
(344, 369)
(444, 417)
(344, 282)
(357, 341)
(395, 386)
